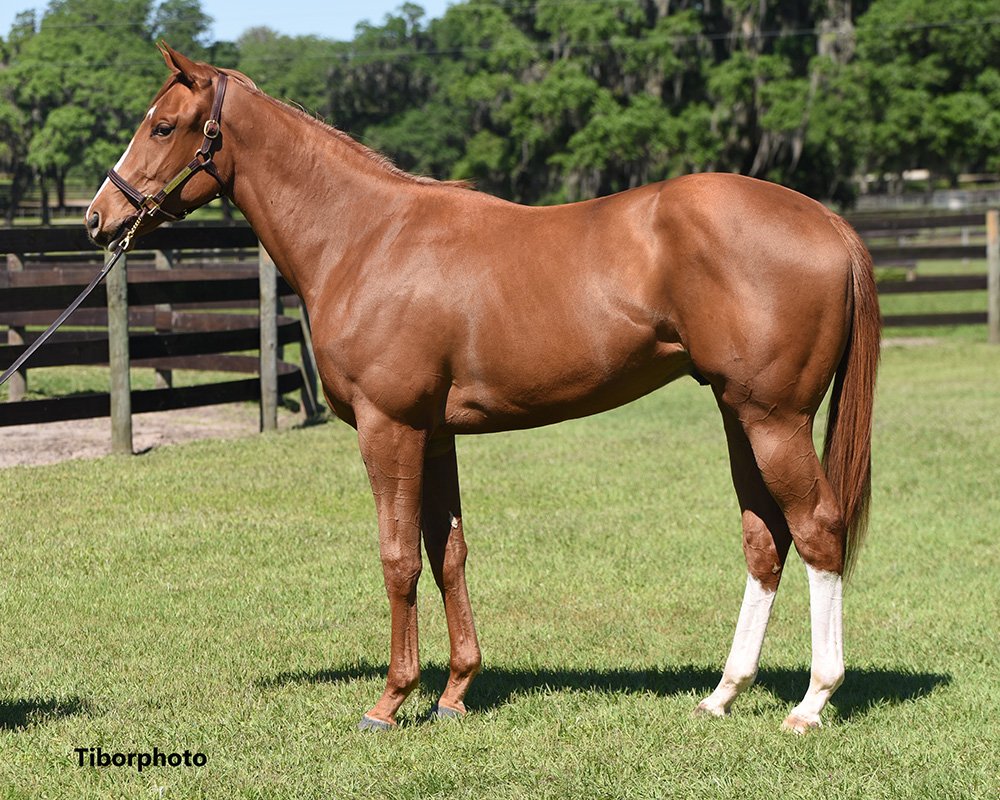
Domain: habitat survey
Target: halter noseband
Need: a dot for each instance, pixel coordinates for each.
(148, 205)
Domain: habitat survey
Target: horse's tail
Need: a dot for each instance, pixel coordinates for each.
(847, 450)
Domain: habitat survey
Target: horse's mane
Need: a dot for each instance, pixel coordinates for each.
(373, 155)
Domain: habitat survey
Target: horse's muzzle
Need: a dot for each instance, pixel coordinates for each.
(94, 226)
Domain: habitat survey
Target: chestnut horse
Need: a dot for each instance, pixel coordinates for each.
(437, 310)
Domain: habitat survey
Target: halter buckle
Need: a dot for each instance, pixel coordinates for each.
(211, 129)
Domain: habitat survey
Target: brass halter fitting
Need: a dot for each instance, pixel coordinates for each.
(126, 241)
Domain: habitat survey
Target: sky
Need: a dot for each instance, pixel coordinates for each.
(332, 19)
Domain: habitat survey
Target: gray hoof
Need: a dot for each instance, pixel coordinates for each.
(371, 724)
(444, 712)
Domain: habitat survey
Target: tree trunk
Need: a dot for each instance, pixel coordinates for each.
(836, 33)
(20, 180)
(61, 190)
(43, 192)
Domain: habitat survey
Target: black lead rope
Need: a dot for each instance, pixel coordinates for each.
(119, 252)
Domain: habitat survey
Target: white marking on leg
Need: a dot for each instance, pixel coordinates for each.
(741, 666)
(826, 594)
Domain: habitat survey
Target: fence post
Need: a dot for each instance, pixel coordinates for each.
(268, 342)
(993, 273)
(163, 319)
(310, 400)
(118, 358)
(17, 387)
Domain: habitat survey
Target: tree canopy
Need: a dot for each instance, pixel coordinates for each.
(551, 100)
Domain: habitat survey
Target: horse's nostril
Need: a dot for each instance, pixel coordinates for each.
(94, 222)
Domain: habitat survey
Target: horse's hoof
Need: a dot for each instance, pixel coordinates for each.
(800, 724)
(371, 724)
(706, 709)
(445, 712)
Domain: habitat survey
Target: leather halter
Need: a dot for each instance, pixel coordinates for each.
(148, 205)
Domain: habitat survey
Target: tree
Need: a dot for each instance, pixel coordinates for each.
(550, 100)
(184, 26)
(930, 73)
(74, 86)
(294, 69)
(60, 143)
(15, 122)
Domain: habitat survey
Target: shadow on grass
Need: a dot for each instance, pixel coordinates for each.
(863, 689)
(869, 688)
(16, 715)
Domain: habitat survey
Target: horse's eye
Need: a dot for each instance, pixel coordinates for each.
(163, 129)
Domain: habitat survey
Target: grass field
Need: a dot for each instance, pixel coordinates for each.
(226, 598)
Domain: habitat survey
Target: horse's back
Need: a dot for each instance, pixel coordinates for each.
(526, 316)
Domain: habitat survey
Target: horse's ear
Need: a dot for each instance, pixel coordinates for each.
(188, 71)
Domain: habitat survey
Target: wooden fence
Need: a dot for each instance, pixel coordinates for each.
(181, 295)
(911, 233)
(162, 291)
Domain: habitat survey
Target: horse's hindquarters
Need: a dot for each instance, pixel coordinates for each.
(760, 287)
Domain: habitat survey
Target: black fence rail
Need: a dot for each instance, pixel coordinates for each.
(195, 298)
(901, 241)
(202, 296)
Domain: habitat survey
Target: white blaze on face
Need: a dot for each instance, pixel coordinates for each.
(117, 167)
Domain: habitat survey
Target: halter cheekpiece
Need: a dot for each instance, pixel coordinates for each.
(148, 205)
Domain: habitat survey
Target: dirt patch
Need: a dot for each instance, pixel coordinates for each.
(51, 442)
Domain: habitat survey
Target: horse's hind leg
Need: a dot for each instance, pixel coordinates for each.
(441, 521)
(766, 540)
(784, 451)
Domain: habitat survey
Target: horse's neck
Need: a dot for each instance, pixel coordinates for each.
(306, 191)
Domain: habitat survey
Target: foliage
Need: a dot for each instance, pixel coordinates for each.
(548, 100)
(292, 69)
(183, 25)
(80, 92)
(934, 86)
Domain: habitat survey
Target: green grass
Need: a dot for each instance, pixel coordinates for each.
(227, 598)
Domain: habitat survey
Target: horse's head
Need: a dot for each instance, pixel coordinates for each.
(169, 168)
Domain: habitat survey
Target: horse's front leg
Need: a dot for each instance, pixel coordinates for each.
(444, 542)
(394, 456)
